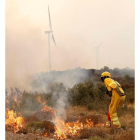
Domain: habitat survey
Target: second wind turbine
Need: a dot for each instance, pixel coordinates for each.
(97, 54)
(49, 32)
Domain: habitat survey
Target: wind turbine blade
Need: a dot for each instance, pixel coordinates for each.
(98, 57)
(49, 18)
(53, 39)
(100, 44)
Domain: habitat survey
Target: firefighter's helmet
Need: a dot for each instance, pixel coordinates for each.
(105, 75)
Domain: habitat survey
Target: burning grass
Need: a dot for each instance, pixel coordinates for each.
(13, 122)
(72, 129)
(58, 128)
(92, 127)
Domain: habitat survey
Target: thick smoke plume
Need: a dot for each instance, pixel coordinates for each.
(69, 78)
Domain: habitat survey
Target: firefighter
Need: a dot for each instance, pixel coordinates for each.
(117, 95)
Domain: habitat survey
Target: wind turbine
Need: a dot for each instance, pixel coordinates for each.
(49, 32)
(97, 54)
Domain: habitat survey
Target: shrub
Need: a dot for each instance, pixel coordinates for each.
(130, 97)
(127, 77)
(82, 93)
(86, 93)
(101, 90)
(123, 110)
(47, 125)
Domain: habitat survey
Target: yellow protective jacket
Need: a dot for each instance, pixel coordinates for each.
(117, 98)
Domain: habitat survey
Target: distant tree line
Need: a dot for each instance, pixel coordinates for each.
(78, 75)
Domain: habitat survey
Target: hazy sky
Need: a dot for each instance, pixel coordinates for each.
(78, 25)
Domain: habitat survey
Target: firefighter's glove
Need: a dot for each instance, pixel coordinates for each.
(109, 93)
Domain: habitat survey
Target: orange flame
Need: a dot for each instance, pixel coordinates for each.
(19, 102)
(39, 99)
(63, 130)
(7, 101)
(69, 129)
(89, 123)
(15, 99)
(48, 109)
(13, 122)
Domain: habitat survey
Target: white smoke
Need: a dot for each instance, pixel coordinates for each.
(69, 78)
(61, 103)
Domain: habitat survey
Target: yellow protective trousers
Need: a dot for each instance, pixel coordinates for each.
(116, 100)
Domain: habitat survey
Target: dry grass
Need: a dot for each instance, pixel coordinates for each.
(102, 133)
(82, 114)
(77, 111)
(86, 133)
(128, 121)
(126, 135)
(131, 105)
(106, 134)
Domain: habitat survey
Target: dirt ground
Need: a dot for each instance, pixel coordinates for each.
(29, 136)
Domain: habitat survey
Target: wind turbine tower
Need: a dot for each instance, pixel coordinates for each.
(50, 32)
(97, 54)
